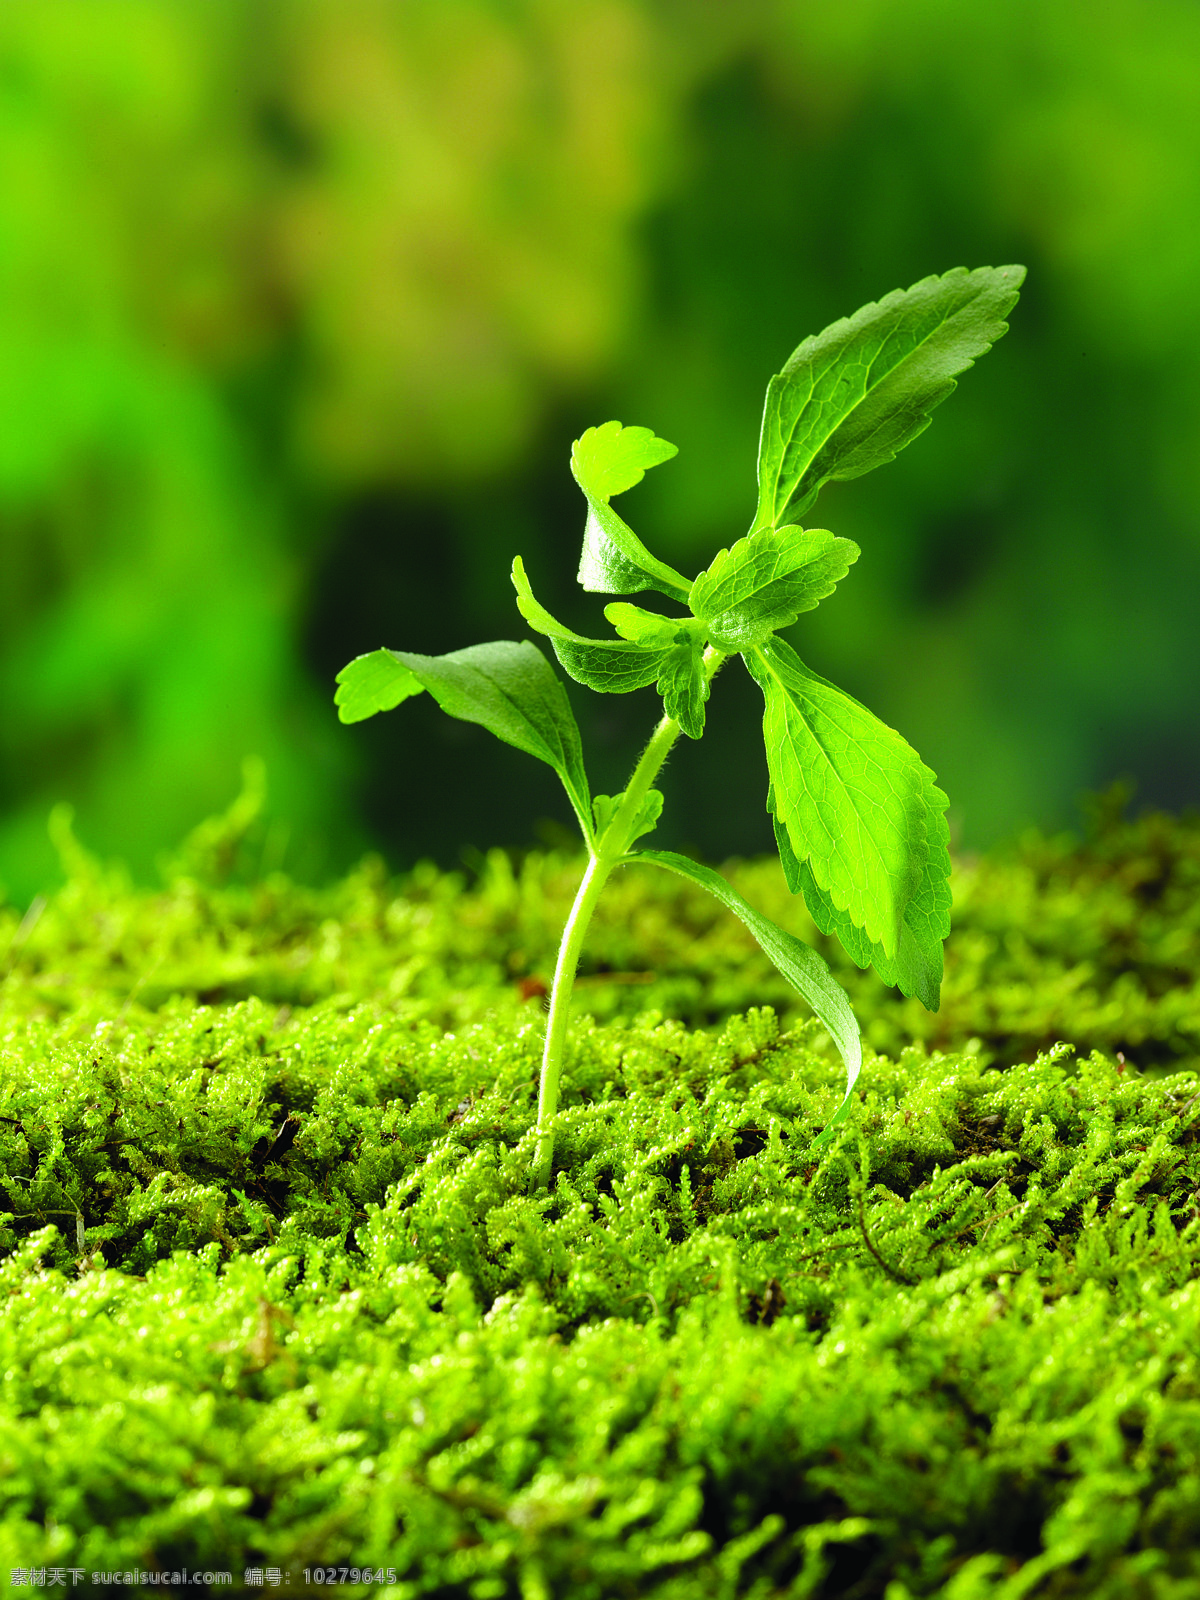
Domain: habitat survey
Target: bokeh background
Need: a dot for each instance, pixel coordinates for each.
(302, 303)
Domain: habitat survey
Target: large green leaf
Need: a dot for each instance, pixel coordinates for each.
(848, 790)
(853, 396)
(803, 968)
(766, 580)
(916, 968)
(611, 666)
(508, 688)
(606, 461)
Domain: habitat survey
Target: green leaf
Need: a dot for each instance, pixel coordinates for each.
(665, 651)
(606, 461)
(853, 396)
(916, 968)
(848, 790)
(610, 459)
(508, 688)
(766, 580)
(685, 688)
(611, 666)
(371, 683)
(803, 968)
(604, 808)
(682, 681)
(648, 628)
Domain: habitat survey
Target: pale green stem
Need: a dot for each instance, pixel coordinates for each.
(609, 854)
(594, 880)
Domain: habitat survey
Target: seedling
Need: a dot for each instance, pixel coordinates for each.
(859, 820)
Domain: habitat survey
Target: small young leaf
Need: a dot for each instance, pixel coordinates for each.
(611, 666)
(617, 666)
(604, 808)
(511, 690)
(766, 580)
(648, 628)
(371, 683)
(684, 687)
(916, 968)
(606, 461)
(803, 968)
(852, 397)
(681, 681)
(847, 789)
(610, 459)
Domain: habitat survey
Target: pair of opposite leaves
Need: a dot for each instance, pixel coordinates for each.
(858, 818)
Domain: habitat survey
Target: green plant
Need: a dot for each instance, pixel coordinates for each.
(859, 821)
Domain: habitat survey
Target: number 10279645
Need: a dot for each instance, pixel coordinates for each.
(349, 1575)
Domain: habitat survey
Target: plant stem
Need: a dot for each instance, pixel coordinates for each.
(610, 852)
(594, 880)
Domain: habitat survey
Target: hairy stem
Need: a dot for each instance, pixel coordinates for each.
(610, 851)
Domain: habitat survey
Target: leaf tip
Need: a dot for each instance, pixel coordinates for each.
(610, 458)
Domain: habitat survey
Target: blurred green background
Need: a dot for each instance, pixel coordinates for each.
(301, 305)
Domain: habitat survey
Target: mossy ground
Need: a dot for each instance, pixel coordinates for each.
(276, 1294)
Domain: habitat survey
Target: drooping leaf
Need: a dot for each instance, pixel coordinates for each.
(684, 687)
(606, 461)
(611, 666)
(848, 790)
(853, 396)
(801, 965)
(371, 683)
(916, 968)
(511, 690)
(682, 681)
(766, 580)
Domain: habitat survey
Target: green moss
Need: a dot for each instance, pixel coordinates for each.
(275, 1291)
